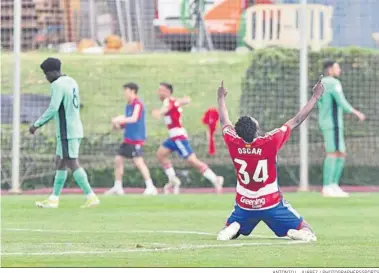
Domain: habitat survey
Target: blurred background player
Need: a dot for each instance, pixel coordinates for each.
(134, 123)
(178, 141)
(332, 106)
(65, 109)
(258, 196)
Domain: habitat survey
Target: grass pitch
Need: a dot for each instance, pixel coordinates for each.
(180, 231)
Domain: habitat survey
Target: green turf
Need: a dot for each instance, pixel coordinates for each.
(117, 233)
(100, 79)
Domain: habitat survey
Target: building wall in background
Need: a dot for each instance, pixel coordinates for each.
(354, 21)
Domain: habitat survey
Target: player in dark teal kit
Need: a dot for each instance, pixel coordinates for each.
(65, 109)
(332, 107)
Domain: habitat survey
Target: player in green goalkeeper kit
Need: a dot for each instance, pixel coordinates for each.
(65, 109)
(332, 107)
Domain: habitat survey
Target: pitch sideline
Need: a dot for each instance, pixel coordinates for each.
(186, 232)
(114, 231)
(129, 250)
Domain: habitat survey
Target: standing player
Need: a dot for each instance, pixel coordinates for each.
(65, 109)
(178, 141)
(258, 196)
(134, 123)
(332, 106)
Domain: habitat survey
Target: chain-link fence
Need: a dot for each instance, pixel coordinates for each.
(172, 24)
(108, 31)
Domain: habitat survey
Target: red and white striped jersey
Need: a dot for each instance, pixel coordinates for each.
(255, 164)
(173, 120)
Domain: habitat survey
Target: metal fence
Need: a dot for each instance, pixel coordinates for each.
(169, 24)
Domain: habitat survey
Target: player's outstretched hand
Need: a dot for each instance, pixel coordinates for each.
(318, 89)
(222, 91)
(360, 115)
(115, 125)
(116, 122)
(32, 129)
(185, 100)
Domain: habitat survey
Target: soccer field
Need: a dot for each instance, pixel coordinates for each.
(180, 231)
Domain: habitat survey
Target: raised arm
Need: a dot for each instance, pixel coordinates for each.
(318, 90)
(167, 106)
(184, 101)
(223, 111)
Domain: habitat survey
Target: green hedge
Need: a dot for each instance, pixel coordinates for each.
(271, 85)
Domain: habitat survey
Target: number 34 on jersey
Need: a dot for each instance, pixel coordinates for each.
(260, 174)
(255, 165)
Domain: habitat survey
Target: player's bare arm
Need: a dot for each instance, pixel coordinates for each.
(222, 109)
(184, 101)
(158, 113)
(318, 90)
(122, 120)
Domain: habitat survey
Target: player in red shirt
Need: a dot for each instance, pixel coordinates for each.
(258, 197)
(178, 142)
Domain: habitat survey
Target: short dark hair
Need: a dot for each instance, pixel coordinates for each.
(131, 86)
(246, 128)
(168, 86)
(51, 64)
(328, 64)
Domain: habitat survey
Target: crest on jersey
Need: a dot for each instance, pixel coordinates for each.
(248, 145)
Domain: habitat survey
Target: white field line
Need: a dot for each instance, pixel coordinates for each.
(128, 250)
(75, 243)
(122, 231)
(107, 231)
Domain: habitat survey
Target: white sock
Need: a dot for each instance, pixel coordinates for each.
(170, 172)
(90, 195)
(149, 183)
(118, 184)
(210, 175)
(53, 197)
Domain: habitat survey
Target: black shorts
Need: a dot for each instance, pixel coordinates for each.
(130, 150)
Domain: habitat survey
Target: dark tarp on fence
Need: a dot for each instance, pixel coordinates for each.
(32, 107)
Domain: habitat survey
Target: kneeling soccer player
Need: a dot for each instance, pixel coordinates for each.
(65, 109)
(258, 197)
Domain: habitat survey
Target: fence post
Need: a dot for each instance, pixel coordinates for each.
(304, 183)
(16, 97)
(139, 23)
(120, 19)
(128, 21)
(92, 16)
